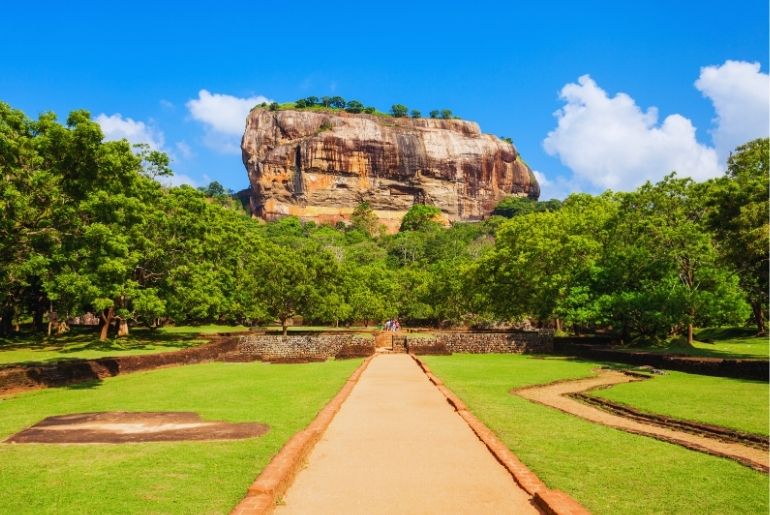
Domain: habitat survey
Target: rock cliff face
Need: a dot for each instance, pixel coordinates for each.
(319, 166)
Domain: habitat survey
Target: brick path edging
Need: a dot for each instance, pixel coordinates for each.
(277, 476)
(551, 502)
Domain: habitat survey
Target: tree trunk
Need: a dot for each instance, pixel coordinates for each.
(37, 318)
(689, 335)
(558, 325)
(759, 317)
(106, 316)
(122, 327)
(284, 326)
(6, 322)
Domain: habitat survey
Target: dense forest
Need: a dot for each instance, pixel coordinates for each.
(86, 227)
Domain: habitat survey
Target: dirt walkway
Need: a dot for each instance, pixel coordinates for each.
(556, 396)
(396, 446)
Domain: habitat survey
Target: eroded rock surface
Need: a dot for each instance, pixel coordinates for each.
(320, 166)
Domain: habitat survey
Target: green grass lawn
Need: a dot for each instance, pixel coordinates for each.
(607, 470)
(83, 343)
(181, 477)
(735, 403)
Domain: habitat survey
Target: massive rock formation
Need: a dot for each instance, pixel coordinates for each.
(319, 166)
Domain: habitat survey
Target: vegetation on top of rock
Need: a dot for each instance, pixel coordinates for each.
(337, 103)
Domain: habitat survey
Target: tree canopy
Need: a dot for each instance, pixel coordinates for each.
(85, 226)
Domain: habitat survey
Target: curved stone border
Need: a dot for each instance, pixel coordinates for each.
(711, 431)
(699, 441)
(552, 502)
(278, 475)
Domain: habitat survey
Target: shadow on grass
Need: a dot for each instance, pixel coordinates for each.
(85, 339)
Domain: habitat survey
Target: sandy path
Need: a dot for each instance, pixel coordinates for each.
(396, 446)
(555, 395)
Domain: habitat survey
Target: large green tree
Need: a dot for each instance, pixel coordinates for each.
(739, 220)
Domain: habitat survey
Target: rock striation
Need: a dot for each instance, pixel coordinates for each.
(320, 165)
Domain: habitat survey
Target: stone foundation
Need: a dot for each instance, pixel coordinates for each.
(295, 349)
(525, 342)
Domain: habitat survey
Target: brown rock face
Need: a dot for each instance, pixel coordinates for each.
(319, 166)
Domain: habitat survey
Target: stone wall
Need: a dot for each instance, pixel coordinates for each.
(295, 348)
(525, 342)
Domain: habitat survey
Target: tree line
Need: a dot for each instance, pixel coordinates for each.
(86, 227)
(355, 106)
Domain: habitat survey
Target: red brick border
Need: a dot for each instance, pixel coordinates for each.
(552, 502)
(278, 475)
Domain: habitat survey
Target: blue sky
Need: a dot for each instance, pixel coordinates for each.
(620, 76)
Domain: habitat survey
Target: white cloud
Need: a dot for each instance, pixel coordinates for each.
(542, 180)
(115, 128)
(223, 113)
(558, 187)
(224, 117)
(177, 180)
(739, 92)
(184, 150)
(610, 142)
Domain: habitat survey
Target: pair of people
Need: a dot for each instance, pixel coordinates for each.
(392, 325)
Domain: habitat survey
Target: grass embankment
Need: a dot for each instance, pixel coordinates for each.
(732, 343)
(607, 470)
(179, 477)
(83, 343)
(735, 403)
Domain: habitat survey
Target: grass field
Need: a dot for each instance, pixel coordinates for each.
(735, 403)
(607, 470)
(181, 477)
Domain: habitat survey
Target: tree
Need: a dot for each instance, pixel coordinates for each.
(416, 114)
(369, 110)
(354, 106)
(31, 208)
(365, 219)
(214, 190)
(300, 104)
(294, 282)
(326, 101)
(514, 206)
(274, 106)
(539, 256)
(399, 110)
(446, 114)
(738, 217)
(421, 217)
(311, 101)
(337, 102)
(664, 259)
(435, 113)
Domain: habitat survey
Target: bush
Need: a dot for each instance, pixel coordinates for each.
(399, 110)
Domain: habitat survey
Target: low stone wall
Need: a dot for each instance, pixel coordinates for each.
(295, 349)
(525, 342)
